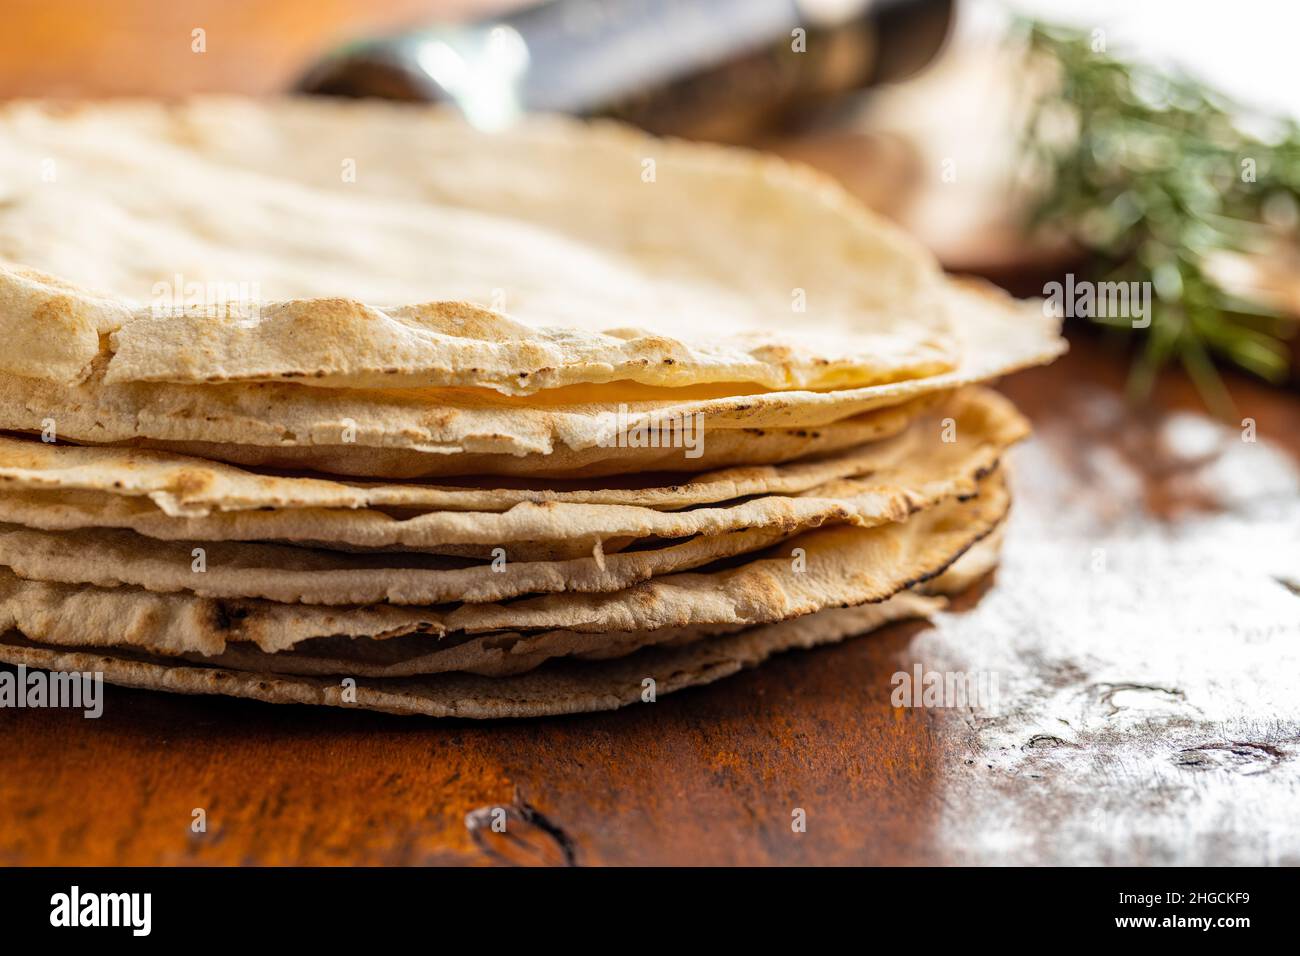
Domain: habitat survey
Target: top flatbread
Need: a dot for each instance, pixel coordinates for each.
(371, 245)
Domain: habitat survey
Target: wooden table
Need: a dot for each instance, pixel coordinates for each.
(1145, 643)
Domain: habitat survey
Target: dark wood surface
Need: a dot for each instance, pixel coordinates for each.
(1142, 629)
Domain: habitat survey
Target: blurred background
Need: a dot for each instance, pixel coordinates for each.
(1150, 142)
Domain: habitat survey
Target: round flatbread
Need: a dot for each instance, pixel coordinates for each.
(372, 245)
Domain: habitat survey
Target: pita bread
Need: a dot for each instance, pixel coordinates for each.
(70, 510)
(829, 567)
(361, 289)
(503, 654)
(560, 687)
(725, 448)
(563, 687)
(186, 486)
(912, 471)
(354, 264)
(919, 470)
(108, 559)
(261, 421)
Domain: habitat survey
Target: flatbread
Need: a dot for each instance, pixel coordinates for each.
(272, 423)
(108, 558)
(380, 291)
(504, 654)
(828, 567)
(559, 687)
(358, 262)
(912, 471)
(564, 687)
(186, 486)
(915, 471)
(725, 448)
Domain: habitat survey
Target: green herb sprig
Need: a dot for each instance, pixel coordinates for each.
(1155, 178)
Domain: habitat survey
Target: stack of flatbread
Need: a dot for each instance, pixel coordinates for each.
(351, 404)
